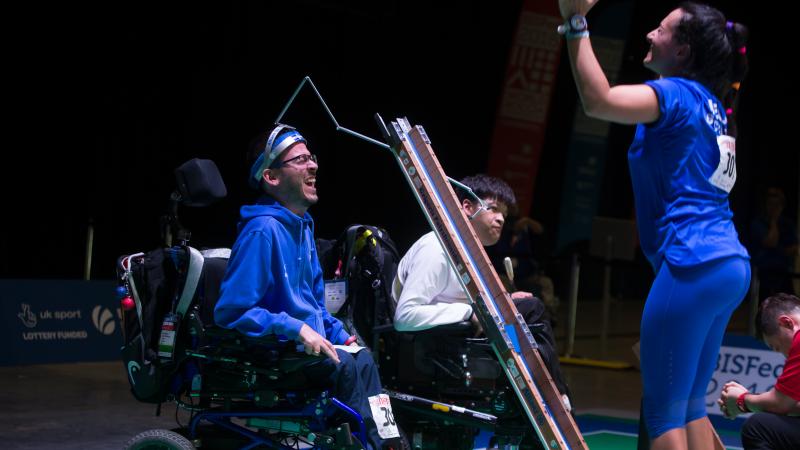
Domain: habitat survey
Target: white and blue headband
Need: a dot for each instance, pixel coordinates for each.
(272, 149)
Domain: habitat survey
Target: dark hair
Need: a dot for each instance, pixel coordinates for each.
(771, 308)
(485, 187)
(718, 53)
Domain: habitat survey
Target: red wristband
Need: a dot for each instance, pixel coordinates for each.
(350, 340)
(741, 404)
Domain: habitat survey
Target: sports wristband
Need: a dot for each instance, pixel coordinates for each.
(740, 403)
(579, 35)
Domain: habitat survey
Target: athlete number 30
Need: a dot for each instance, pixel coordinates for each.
(389, 416)
(730, 170)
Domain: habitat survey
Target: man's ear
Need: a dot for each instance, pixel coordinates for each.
(270, 177)
(786, 321)
(468, 207)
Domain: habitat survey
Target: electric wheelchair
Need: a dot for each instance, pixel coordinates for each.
(239, 392)
(447, 387)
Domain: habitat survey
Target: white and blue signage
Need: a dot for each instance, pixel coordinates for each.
(748, 362)
(51, 321)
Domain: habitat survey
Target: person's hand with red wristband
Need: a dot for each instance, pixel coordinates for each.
(732, 400)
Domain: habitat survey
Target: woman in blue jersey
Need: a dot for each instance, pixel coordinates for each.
(682, 164)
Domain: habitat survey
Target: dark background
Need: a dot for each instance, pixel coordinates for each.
(108, 99)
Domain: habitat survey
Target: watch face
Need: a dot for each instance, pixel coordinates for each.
(577, 23)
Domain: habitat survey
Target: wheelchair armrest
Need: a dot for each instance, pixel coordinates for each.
(451, 329)
(267, 340)
(291, 362)
(291, 358)
(380, 329)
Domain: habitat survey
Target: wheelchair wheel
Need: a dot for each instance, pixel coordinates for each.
(159, 440)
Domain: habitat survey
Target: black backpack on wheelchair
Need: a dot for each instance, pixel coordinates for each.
(367, 257)
(239, 392)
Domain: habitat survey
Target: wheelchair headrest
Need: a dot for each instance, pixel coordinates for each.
(199, 182)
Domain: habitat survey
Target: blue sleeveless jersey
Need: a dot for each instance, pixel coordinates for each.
(683, 167)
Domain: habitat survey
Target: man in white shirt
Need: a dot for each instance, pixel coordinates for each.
(427, 291)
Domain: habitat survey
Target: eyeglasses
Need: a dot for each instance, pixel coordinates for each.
(298, 161)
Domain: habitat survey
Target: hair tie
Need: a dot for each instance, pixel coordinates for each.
(729, 26)
(735, 85)
(742, 50)
(729, 111)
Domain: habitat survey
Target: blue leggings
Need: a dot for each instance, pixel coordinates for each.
(683, 322)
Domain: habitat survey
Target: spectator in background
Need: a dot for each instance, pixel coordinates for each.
(773, 245)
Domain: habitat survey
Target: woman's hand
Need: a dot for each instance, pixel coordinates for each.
(571, 7)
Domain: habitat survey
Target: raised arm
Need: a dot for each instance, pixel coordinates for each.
(627, 104)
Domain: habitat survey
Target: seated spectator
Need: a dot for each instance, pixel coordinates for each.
(776, 422)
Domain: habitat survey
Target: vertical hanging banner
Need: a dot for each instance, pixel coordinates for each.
(521, 117)
(586, 157)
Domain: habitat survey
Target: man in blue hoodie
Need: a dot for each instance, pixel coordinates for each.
(273, 283)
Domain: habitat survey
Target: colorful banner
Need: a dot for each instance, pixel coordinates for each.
(52, 321)
(521, 118)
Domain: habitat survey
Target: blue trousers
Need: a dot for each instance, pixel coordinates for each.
(682, 327)
(352, 381)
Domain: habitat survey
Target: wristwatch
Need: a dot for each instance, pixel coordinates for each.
(575, 27)
(577, 24)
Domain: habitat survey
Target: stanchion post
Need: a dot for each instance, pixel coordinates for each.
(574, 278)
(87, 262)
(606, 294)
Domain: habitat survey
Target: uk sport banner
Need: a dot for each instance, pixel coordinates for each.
(54, 321)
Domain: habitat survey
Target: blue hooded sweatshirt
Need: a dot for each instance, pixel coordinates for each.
(273, 284)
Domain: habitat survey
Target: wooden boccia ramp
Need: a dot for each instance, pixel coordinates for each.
(512, 341)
